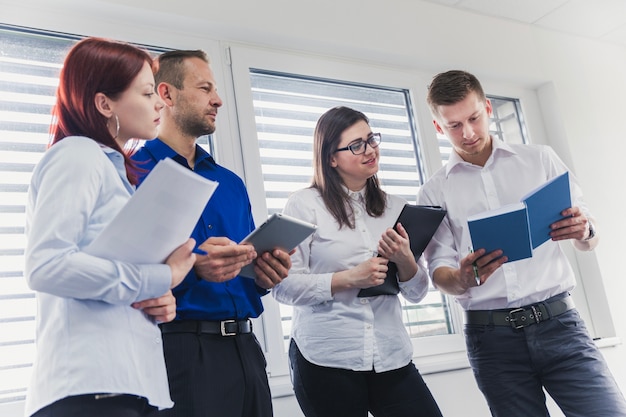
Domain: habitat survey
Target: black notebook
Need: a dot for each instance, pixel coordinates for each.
(421, 223)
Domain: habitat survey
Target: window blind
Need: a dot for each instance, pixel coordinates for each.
(29, 68)
(30, 62)
(287, 108)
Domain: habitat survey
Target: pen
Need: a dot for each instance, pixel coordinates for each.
(475, 268)
(199, 251)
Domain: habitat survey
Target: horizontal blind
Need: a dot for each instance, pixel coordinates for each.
(29, 66)
(287, 108)
(30, 63)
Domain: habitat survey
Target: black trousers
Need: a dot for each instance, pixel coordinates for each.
(92, 406)
(334, 392)
(216, 376)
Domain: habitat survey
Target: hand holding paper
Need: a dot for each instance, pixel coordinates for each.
(158, 218)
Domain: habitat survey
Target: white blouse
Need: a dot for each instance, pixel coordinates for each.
(89, 338)
(345, 331)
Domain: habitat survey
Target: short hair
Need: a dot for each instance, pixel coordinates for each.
(171, 66)
(450, 87)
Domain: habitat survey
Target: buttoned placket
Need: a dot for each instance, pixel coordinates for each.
(368, 314)
(493, 202)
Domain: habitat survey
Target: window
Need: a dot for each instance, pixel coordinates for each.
(30, 62)
(286, 110)
(287, 107)
(279, 100)
(29, 67)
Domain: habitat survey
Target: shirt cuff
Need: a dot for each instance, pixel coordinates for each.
(155, 281)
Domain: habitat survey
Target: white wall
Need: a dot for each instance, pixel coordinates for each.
(580, 83)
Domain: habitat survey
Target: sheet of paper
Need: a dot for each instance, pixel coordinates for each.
(158, 218)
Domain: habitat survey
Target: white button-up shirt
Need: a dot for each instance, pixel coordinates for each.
(464, 189)
(344, 331)
(89, 338)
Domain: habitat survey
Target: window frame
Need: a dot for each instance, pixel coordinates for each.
(241, 59)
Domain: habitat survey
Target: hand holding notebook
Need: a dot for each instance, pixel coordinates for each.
(421, 223)
(519, 228)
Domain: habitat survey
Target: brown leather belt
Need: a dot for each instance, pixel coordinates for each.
(521, 317)
(222, 328)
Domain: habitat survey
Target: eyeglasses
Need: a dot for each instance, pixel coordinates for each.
(359, 147)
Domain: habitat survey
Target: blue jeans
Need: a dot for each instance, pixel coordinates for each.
(335, 392)
(512, 367)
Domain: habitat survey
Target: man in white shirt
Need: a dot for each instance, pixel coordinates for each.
(523, 333)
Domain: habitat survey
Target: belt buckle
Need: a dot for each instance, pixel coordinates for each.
(513, 320)
(223, 331)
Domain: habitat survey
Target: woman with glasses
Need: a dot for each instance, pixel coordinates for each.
(351, 355)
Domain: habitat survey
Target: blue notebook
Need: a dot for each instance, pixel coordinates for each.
(519, 228)
(544, 206)
(505, 228)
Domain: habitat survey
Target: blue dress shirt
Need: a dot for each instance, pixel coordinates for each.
(228, 214)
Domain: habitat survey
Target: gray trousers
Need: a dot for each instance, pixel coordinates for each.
(512, 367)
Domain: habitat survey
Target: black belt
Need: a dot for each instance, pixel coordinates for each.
(223, 327)
(521, 317)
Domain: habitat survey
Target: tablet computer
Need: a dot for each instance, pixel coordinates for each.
(279, 231)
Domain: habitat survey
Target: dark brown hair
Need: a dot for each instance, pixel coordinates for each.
(171, 66)
(327, 180)
(451, 87)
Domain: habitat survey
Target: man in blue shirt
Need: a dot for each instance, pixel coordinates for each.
(215, 364)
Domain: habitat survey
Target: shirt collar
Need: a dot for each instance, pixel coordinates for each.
(358, 196)
(117, 159)
(161, 150)
(498, 147)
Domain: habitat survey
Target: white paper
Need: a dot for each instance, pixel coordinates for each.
(158, 218)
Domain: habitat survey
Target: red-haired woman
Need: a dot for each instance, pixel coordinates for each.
(99, 350)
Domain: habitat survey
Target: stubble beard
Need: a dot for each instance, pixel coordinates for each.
(192, 123)
(195, 126)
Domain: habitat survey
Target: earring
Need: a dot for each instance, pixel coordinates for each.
(117, 128)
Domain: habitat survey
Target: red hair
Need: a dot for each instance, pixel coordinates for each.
(95, 65)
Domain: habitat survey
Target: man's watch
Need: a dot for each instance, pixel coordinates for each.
(592, 231)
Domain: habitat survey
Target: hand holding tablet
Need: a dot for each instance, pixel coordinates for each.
(278, 232)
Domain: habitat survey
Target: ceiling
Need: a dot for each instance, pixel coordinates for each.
(602, 20)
